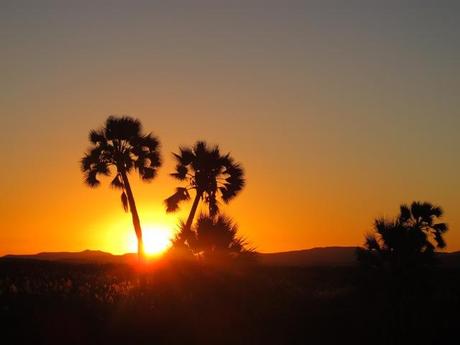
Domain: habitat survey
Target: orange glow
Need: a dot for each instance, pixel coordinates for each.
(325, 147)
(114, 232)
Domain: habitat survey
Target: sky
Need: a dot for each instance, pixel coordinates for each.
(339, 111)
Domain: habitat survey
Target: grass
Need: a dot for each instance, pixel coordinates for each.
(188, 303)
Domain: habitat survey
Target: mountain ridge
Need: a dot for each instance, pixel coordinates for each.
(318, 256)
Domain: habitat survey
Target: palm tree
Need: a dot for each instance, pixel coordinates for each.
(422, 217)
(118, 149)
(210, 174)
(406, 241)
(217, 236)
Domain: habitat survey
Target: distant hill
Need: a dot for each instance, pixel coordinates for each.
(333, 256)
(86, 256)
(327, 256)
(450, 259)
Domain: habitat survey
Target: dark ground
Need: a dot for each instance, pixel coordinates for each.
(183, 303)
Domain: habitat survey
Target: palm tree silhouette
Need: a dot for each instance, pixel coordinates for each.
(210, 174)
(119, 148)
(406, 241)
(216, 237)
(422, 217)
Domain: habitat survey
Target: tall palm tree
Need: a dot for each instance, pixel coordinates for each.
(207, 172)
(408, 240)
(117, 149)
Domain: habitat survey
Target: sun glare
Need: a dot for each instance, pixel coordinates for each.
(157, 239)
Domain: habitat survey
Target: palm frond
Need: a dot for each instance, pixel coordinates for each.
(184, 237)
(172, 203)
(440, 242)
(417, 209)
(372, 243)
(151, 142)
(214, 154)
(92, 157)
(124, 201)
(102, 168)
(405, 213)
(440, 227)
(148, 173)
(380, 225)
(141, 161)
(185, 157)
(91, 179)
(122, 128)
(200, 149)
(154, 158)
(180, 173)
(86, 162)
(117, 182)
(437, 211)
(97, 136)
(234, 182)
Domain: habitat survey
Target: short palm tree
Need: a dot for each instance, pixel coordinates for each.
(406, 241)
(117, 149)
(210, 174)
(217, 237)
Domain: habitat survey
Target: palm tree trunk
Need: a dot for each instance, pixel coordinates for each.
(188, 225)
(134, 214)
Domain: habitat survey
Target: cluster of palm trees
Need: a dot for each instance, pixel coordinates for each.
(407, 241)
(209, 177)
(120, 148)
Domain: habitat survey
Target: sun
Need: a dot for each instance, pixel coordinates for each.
(157, 239)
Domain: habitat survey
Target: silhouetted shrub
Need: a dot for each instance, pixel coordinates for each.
(214, 238)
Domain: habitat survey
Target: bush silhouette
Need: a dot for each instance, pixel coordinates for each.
(216, 238)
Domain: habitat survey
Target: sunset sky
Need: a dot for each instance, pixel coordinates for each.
(339, 111)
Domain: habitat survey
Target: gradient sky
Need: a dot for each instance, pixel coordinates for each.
(338, 110)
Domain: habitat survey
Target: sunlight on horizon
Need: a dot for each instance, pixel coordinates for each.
(364, 95)
(157, 239)
(118, 236)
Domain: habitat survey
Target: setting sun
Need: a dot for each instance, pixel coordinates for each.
(157, 239)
